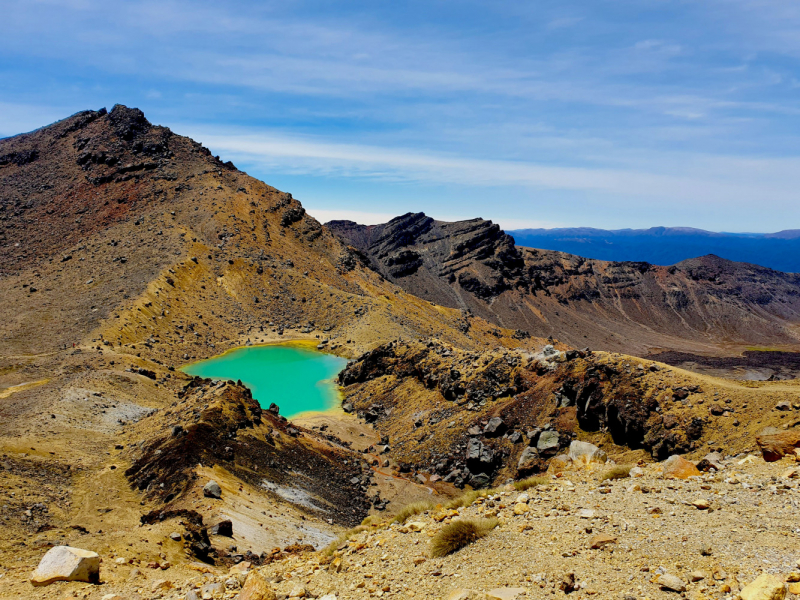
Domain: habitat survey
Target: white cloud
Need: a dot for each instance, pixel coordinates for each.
(686, 179)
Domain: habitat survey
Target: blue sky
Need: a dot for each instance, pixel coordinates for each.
(571, 113)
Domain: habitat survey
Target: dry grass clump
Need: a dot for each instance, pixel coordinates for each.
(459, 534)
(371, 521)
(617, 472)
(526, 484)
(467, 498)
(411, 510)
(331, 548)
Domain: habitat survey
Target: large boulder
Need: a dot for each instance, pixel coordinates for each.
(775, 444)
(65, 563)
(678, 467)
(479, 458)
(256, 587)
(764, 587)
(585, 454)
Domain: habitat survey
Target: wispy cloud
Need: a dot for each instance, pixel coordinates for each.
(710, 179)
(621, 108)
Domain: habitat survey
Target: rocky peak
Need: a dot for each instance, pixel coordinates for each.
(445, 258)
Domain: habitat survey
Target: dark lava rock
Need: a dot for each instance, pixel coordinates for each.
(223, 528)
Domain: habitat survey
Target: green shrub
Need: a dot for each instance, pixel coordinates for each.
(526, 484)
(617, 472)
(458, 534)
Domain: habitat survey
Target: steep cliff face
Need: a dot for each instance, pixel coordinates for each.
(699, 304)
(438, 260)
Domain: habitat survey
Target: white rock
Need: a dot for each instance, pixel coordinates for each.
(586, 453)
(671, 582)
(64, 563)
(212, 490)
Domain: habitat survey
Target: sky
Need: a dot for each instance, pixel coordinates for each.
(599, 113)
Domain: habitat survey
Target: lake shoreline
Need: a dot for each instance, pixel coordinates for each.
(294, 374)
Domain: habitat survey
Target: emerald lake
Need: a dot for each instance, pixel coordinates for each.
(295, 378)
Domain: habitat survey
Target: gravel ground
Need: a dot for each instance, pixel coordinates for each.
(617, 538)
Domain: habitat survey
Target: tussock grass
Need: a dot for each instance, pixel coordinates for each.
(347, 535)
(371, 521)
(413, 509)
(459, 534)
(526, 484)
(617, 472)
(469, 497)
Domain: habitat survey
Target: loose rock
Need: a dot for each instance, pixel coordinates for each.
(64, 563)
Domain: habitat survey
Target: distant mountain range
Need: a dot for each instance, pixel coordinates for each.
(668, 245)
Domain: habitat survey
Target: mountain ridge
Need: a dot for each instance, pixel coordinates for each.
(631, 306)
(668, 245)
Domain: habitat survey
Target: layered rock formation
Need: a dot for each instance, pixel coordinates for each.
(700, 304)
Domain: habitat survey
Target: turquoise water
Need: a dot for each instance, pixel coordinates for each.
(294, 378)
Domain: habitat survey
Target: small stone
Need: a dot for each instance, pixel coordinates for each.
(162, 585)
(242, 567)
(601, 540)
(462, 594)
(64, 563)
(548, 442)
(416, 526)
(705, 549)
(764, 587)
(585, 513)
(298, 591)
(701, 504)
(175, 536)
(636, 472)
(567, 583)
(527, 460)
(508, 593)
(671, 582)
(697, 576)
(520, 508)
(212, 490)
(784, 405)
(794, 588)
